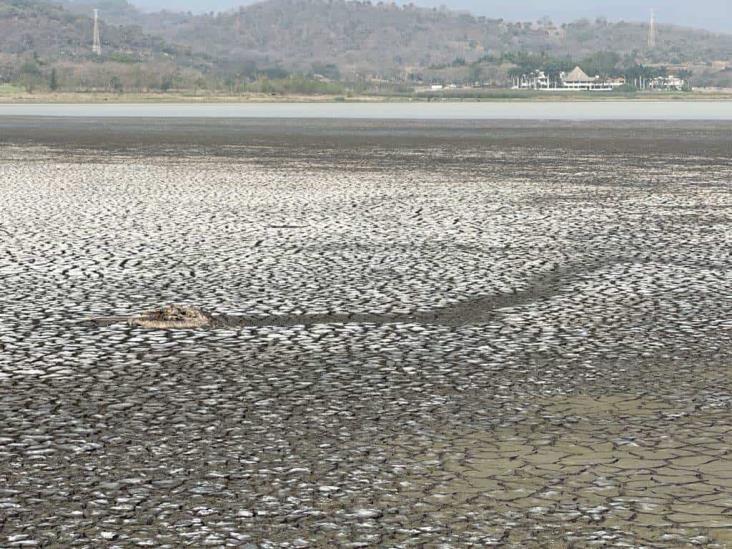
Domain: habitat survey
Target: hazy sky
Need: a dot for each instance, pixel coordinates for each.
(711, 14)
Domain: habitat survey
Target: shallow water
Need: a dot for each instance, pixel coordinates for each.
(570, 110)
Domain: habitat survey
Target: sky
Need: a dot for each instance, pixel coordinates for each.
(710, 14)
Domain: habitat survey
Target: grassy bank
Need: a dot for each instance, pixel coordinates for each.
(470, 94)
(12, 94)
(15, 95)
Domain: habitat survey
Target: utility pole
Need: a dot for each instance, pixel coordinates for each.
(652, 31)
(97, 46)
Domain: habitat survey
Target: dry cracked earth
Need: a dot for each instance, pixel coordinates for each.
(429, 335)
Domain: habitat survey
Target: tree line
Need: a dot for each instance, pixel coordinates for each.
(118, 73)
(605, 64)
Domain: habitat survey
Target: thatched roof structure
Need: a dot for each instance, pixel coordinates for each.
(577, 75)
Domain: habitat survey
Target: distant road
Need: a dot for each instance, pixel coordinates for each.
(606, 110)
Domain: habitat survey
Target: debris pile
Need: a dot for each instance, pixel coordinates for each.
(172, 316)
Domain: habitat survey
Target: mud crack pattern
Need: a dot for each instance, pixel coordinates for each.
(437, 344)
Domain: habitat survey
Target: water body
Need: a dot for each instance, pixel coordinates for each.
(570, 110)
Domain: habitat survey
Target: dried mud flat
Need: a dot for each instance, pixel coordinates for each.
(426, 335)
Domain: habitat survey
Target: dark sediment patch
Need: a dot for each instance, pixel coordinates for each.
(278, 137)
(470, 312)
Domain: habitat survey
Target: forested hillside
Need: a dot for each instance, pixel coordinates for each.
(332, 39)
(43, 45)
(361, 36)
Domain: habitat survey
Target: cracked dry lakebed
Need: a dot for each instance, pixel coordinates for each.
(422, 334)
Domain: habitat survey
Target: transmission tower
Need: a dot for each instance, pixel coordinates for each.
(652, 31)
(97, 46)
(237, 23)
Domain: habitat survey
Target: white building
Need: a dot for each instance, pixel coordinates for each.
(576, 80)
(579, 80)
(537, 80)
(670, 82)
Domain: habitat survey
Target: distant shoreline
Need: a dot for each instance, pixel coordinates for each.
(488, 96)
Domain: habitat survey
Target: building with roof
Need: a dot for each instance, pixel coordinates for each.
(536, 80)
(668, 83)
(576, 80)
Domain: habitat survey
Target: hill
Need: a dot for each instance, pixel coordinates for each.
(361, 37)
(44, 44)
(49, 30)
(386, 40)
(335, 40)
